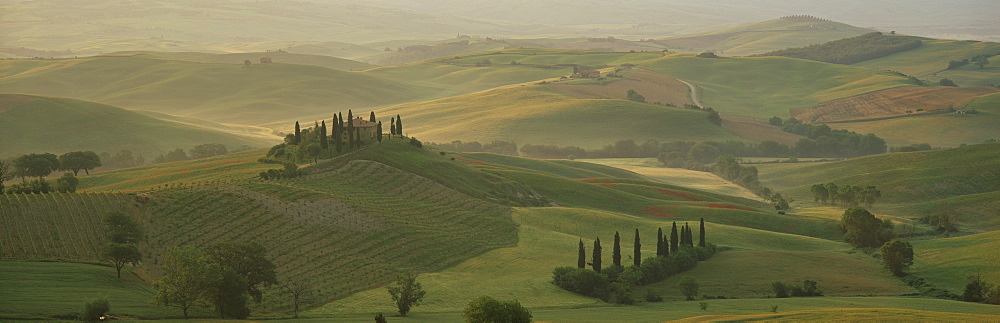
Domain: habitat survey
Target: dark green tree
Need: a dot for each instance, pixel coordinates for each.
(323, 141)
(186, 278)
(229, 294)
(79, 160)
(378, 134)
(372, 117)
(392, 127)
(775, 121)
(406, 293)
(596, 263)
(659, 242)
(350, 130)
(581, 259)
(208, 150)
(35, 165)
(673, 237)
(976, 289)
(616, 251)
(399, 125)
(6, 172)
(688, 287)
(666, 246)
(338, 132)
(67, 183)
(249, 260)
(488, 309)
(313, 150)
(863, 229)
(123, 236)
(897, 255)
(298, 134)
(701, 233)
(637, 253)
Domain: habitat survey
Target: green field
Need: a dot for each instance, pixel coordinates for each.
(762, 87)
(929, 62)
(281, 57)
(49, 124)
(34, 290)
(942, 130)
(946, 262)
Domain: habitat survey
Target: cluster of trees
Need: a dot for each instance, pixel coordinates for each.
(729, 168)
(944, 222)
(847, 195)
(225, 276)
(821, 141)
(910, 148)
(674, 254)
(496, 147)
(980, 291)
(319, 142)
(864, 230)
(40, 165)
(199, 151)
(979, 60)
(632, 95)
(851, 50)
(290, 171)
(782, 290)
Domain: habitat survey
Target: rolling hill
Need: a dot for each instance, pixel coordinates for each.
(960, 180)
(282, 57)
(793, 31)
(762, 87)
(50, 124)
(930, 62)
(536, 115)
(890, 103)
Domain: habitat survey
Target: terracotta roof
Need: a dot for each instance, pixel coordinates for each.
(362, 123)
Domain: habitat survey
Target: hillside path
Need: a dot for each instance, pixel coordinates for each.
(694, 93)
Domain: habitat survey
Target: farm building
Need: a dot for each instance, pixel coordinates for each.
(365, 128)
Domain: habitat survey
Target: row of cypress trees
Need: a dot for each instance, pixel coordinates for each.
(340, 127)
(664, 246)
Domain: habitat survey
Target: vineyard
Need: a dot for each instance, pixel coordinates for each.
(57, 225)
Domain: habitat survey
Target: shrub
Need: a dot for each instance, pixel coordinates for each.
(38, 186)
(416, 143)
(653, 296)
(96, 308)
(581, 281)
(488, 309)
(689, 287)
(780, 290)
(618, 293)
(703, 306)
(67, 183)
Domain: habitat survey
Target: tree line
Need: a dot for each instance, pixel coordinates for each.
(38, 166)
(851, 50)
(847, 195)
(197, 152)
(674, 254)
(729, 168)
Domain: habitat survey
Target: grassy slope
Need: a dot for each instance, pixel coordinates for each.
(653, 169)
(945, 130)
(524, 272)
(946, 262)
(930, 60)
(536, 115)
(763, 87)
(37, 290)
(218, 92)
(764, 36)
(55, 124)
(232, 167)
(282, 57)
(906, 179)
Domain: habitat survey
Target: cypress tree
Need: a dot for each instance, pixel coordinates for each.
(350, 129)
(659, 242)
(616, 253)
(581, 260)
(378, 134)
(298, 134)
(666, 246)
(597, 255)
(323, 141)
(372, 117)
(673, 237)
(688, 237)
(392, 127)
(701, 234)
(338, 132)
(399, 126)
(637, 257)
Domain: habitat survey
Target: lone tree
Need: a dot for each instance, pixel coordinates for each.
(248, 260)
(689, 287)
(392, 127)
(581, 260)
(378, 134)
(616, 251)
(597, 255)
(298, 134)
(372, 117)
(36, 165)
(488, 309)
(124, 235)
(406, 293)
(701, 233)
(897, 255)
(297, 288)
(637, 254)
(79, 160)
(186, 276)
